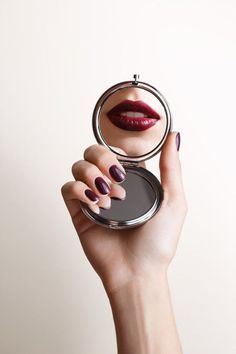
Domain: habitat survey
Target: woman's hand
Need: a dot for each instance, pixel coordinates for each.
(119, 256)
(132, 263)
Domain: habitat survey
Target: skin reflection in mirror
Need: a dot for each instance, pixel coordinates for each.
(134, 120)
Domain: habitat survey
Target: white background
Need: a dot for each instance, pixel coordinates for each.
(56, 58)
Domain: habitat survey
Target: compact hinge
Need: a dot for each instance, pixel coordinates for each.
(128, 163)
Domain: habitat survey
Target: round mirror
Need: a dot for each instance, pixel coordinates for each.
(132, 116)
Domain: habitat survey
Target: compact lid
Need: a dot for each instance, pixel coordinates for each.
(134, 117)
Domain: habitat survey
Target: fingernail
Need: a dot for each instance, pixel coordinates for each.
(177, 140)
(94, 208)
(102, 186)
(91, 195)
(105, 207)
(116, 173)
(116, 198)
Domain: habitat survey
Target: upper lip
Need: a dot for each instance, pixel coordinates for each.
(134, 106)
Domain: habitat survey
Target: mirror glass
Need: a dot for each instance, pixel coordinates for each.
(134, 120)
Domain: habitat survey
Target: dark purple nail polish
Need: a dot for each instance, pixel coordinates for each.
(177, 140)
(116, 173)
(91, 195)
(102, 186)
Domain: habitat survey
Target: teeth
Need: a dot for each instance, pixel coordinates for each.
(133, 114)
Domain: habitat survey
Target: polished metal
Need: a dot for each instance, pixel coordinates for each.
(120, 86)
(136, 77)
(144, 193)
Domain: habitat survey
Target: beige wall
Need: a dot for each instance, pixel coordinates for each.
(56, 58)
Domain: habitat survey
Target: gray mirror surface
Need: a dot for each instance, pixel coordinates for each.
(139, 199)
(143, 198)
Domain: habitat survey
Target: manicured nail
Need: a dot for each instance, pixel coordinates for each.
(105, 203)
(177, 140)
(116, 198)
(116, 173)
(108, 206)
(91, 195)
(102, 186)
(94, 208)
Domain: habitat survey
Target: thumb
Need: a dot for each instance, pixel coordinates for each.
(170, 168)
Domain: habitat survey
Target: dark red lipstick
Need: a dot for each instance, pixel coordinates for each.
(133, 115)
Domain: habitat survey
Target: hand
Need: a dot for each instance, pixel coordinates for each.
(120, 255)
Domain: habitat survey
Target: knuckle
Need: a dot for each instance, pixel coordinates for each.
(65, 187)
(99, 155)
(71, 189)
(76, 166)
(92, 149)
(88, 150)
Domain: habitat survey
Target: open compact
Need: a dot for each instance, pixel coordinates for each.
(134, 117)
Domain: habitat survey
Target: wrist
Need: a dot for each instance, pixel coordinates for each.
(143, 315)
(135, 313)
(142, 276)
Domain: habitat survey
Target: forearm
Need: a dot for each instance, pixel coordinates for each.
(143, 317)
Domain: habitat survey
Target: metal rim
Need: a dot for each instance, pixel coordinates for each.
(115, 88)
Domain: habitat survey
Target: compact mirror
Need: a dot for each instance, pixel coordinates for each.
(135, 117)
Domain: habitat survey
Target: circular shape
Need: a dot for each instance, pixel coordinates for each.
(134, 117)
(144, 195)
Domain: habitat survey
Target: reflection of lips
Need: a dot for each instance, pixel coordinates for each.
(133, 115)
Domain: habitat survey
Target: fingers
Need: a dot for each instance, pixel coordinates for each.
(117, 192)
(170, 168)
(91, 175)
(97, 180)
(80, 191)
(75, 191)
(106, 162)
(99, 170)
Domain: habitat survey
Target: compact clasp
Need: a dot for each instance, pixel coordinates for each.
(136, 77)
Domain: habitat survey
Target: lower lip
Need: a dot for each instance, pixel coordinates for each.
(132, 124)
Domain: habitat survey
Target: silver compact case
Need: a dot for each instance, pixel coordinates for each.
(132, 119)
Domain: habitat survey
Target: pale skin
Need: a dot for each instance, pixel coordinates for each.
(134, 143)
(133, 264)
